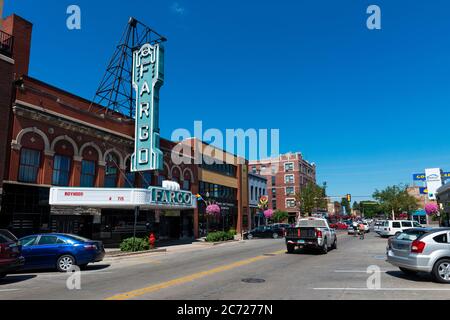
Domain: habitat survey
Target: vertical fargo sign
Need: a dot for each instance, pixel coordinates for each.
(148, 77)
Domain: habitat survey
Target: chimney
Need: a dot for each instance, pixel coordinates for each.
(21, 30)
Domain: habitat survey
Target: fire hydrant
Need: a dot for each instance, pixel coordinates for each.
(152, 240)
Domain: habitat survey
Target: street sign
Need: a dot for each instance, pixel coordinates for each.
(423, 190)
(147, 79)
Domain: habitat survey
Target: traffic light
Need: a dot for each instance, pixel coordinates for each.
(349, 197)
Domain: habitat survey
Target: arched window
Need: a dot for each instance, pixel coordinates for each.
(89, 167)
(147, 177)
(111, 170)
(30, 161)
(61, 169)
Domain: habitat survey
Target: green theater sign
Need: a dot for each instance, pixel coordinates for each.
(147, 79)
(173, 198)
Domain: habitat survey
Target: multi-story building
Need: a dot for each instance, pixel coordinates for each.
(286, 175)
(257, 187)
(51, 137)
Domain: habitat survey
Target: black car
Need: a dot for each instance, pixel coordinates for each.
(265, 232)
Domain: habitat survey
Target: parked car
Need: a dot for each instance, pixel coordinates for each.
(422, 250)
(378, 225)
(311, 233)
(11, 258)
(265, 232)
(281, 225)
(60, 251)
(393, 227)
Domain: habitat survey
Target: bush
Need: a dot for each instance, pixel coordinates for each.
(219, 236)
(232, 231)
(140, 244)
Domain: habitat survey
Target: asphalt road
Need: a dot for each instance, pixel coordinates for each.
(251, 269)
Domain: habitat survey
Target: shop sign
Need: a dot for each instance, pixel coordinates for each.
(171, 197)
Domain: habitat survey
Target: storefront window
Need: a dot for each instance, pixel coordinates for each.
(61, 170)
(29, 165)
(87, 173)
(186, 185)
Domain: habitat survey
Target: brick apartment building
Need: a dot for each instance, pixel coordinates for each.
(51, 137)
(286, 175)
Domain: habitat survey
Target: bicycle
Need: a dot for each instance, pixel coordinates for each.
(361, 234)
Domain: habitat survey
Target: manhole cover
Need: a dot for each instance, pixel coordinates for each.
(253, 280)
(269, 254)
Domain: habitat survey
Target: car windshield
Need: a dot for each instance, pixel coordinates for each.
(312, 223)
(7, 234)
(411, 234)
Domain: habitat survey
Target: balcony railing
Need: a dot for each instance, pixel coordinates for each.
(6, 44)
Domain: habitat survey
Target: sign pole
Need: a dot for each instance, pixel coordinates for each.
(136, 213)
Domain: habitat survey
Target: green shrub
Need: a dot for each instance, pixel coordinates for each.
(232, 231)
(219, 236)
(140, 244)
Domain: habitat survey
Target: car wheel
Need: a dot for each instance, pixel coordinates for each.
(408, 272)
(290, 248)
(65, 263)
(325, 247)
(275, 235)
(441, 271)
(334, 246)
(249, 236)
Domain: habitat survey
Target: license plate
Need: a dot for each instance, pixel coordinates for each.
(301, 241)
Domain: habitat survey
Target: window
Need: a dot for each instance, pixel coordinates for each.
(160, 180)
(253, 169)
(442, 238)
(290, 190)
(47, 240)
(274, 168)
(61, 170)
(273, 181)
(406, 224)
(288, 166)
(28, 241)
(395, 224)
(130, 176)
(111, 171)
(251, 193)
(87, 173)
(186, 184)
(146, 179)
(274, 204)
(274, 191)
(29, 165)
(289, 178)
(290, 203)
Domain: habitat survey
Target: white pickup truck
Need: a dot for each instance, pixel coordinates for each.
(311, 233)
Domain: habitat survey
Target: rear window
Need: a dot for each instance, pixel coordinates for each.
(442, 238)
(410, 235)
(312, 223)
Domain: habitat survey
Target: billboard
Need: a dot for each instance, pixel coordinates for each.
(434, 181)
(147, 79)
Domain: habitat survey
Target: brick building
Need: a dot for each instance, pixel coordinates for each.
(286, 175)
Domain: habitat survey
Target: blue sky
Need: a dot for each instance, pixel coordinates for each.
(368, 107)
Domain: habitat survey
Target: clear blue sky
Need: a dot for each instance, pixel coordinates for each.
(368, 107)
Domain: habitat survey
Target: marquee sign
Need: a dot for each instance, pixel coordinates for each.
(147, 79)
(152, 198)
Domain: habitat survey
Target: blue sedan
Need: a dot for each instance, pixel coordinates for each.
(60, 251)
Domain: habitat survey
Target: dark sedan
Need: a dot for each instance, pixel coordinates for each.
(265, 232)
(60, 251)
(11, 258)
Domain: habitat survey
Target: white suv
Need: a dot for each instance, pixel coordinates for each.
(393, 227)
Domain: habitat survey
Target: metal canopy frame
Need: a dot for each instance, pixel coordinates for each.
(115, 92)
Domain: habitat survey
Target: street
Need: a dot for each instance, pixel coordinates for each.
(251, 269)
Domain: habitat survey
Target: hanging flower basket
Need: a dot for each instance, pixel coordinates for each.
(431, 209)
(268, 213)
(213, 210)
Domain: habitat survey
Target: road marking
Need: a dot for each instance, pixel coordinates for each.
(189, 278)
(5, 290)
(360, 271)
(385, 289)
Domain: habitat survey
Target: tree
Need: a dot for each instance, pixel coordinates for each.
(370, 208)
(395, 200)
(310, 198)
(356, 206)
(280, 216)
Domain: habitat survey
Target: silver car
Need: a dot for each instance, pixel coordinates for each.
(422, 250)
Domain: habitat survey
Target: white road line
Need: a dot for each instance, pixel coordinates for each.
(5, 290)
(385, 289)
(361, 271)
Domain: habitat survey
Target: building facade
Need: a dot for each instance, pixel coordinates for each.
(286, 175)
(55, 138)
(257, 187)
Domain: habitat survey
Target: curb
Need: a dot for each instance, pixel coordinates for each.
(114, 254)
(218, 243)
